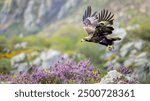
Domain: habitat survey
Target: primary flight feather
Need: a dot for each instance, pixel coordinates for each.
(98, 26)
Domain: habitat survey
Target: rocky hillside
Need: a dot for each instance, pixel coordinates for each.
(32, 15)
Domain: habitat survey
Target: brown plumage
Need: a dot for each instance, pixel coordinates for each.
(98, 27)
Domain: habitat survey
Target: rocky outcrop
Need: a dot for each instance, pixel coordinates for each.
(130, 55)
(115, 77)
(44, 59)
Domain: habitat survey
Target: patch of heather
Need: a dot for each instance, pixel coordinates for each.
(64, 72)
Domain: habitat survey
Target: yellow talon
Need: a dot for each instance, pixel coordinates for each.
(110, 48)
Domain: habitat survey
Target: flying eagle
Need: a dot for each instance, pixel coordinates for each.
(98, 27)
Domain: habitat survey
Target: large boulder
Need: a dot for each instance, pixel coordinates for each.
(115, 77)
(49, 58)
(18, 58)
(142, 73)
(128, 47)
(20, 63)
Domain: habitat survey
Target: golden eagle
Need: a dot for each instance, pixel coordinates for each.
(98, 27)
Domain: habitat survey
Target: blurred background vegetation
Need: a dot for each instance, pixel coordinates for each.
(34, 32)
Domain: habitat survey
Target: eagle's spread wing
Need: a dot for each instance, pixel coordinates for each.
(105, 16)
(88, 14)
(105, 22)
(90, 20)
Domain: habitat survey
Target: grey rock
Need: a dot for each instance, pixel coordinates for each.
(23, 67)
(49, 58)
(141, 62)
(28, 15)
(133, 53)
(37, 62)
(109, 78)
(128, 62)
(125, 49)
(141, 59)
(45, 59)
(20, 67)
(114, 77)
(18, 58)
(21, 45)
(116, 66)
(139, 44)
(6, 50)
(142, 55)
(142, 73)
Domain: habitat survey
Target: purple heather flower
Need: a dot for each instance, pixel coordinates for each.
(5, 78)
(70, 70)
(66, 71)
(125, 70)
(110, 67)
(95, 77)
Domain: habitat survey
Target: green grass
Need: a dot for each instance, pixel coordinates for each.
(5, 66)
